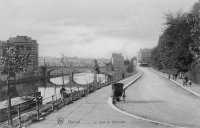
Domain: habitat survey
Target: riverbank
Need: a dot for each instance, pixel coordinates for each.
(92, 111)
(56, 104)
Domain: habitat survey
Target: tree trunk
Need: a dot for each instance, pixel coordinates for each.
(9, 99)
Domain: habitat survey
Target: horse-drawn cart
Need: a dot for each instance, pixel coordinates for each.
(117, 92)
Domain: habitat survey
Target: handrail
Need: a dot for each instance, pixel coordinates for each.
(41, 107)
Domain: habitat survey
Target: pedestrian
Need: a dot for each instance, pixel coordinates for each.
(186, 80)
(173, 76)
(123, 75)
(190, 82)
(176, 75)
(63, 93)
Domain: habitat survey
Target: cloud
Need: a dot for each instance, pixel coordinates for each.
(87, 28)
(101, 47)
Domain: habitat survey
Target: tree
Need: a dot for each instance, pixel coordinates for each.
(96, 68)
(126, 62)
(174, 45)
(130, 66)
(109, 66)
(12, 62)
(194, 22)
(63, 62)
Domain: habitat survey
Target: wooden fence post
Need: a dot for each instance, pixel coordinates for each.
(88, 89)
(63, 98)
(19, 116)
(38, 111)
(52, 103)
(71, 95)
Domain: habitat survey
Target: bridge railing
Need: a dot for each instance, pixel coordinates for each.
(35, 110)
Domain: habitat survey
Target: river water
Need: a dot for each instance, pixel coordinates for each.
(46, 88)
(81, 78)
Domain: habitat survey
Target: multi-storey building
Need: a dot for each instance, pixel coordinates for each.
(25, 45)
(144, 56)
(117, 60)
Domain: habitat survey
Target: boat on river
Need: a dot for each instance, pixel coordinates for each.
(25, 102)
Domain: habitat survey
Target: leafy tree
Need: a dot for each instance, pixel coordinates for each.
(194, 22)
(129, 65)
(11, 63)
(126, 62)
(109, 66)
(175, 45)
(130, 68)
(96, 67)
(62, 60)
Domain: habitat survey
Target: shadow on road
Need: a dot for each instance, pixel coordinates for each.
(143, 101)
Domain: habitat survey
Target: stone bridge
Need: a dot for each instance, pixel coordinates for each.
(50, 71)
(70, 70)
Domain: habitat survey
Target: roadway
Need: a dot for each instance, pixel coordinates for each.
(93, 111)
(152, 97)
(156, 98)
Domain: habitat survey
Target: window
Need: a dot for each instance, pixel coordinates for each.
(21, 47)
(28, 48)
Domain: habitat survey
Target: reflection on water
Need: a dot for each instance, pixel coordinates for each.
(47, 89)
(80, 78)
(59, 81)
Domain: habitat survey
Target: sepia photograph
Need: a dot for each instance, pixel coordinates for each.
(99, 63)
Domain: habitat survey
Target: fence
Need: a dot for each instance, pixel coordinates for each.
(38, 108)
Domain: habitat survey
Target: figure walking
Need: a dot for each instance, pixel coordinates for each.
(63, 93)
(190, 82)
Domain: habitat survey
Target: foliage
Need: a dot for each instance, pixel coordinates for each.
(194, 21)
(96, 67)
(62, 60)
(179, 44)
(130, 66)
(42, 70)
(109, 66)
(13, 62)
(126, 62)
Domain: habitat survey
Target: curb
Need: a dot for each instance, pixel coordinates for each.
(135, 116)
(178, 84)
(127, 85)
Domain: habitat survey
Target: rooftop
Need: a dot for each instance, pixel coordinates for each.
(20, 39)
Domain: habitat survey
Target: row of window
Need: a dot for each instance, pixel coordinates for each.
(21, 47)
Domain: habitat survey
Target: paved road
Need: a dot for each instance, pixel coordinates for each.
(157, 98)
(93, 111)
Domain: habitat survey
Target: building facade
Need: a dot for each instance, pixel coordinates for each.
(25, 45)
(117, 60)
(144, 56)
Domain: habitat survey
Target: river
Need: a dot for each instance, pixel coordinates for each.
(46, 88)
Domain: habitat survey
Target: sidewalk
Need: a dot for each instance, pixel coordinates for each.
(93, 111)
(195, 89)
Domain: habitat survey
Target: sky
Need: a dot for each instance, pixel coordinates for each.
(88, 28)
